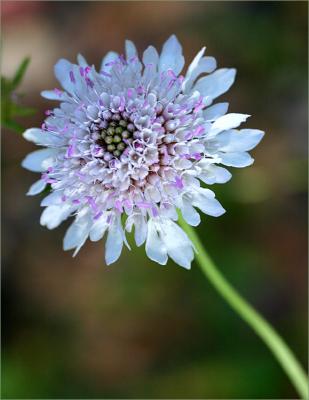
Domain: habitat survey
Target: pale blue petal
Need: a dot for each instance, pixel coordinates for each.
(215, 174)
(179, 246)
(34, 161)
(155, 248)
(239, 160)
(98, 229)
(36, 188)
(54, 198)
(150, 56)
(40, 137)
(114, 243)
(217, 83)
(190, 215)
(228, 121)
(206, 65)
(52, 216)
(62, 72)
(110, 56)
(52, 94)
(216, 111)
(204, 199)
(77, 234)
(82, 61)
(140, 231)
(130, 49)
(171, 56)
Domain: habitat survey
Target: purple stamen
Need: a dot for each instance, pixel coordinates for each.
(58, 92)
(72, 78)
(98, 215)
(105, 74)
(179, 183)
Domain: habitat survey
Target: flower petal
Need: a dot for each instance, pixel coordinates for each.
(77, 234)
(114, 242)
(238, 141)
(52, 216)
(110, 57)
(150, 56)
(217, 83)
(214, 112)
(155, 248)
(130, 49)
(98, 229)
(34, 161)
(140, 231)
(52, 94)
(179, 246)
(205, 200)
(37, 187)
(215, 174)
(189, 213)
(40, 137)
(240, 159)
(62, 72)
(226, 122)
(171, 56)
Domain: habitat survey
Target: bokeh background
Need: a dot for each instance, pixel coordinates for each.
(75, 328)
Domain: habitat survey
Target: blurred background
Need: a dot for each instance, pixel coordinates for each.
(74, 328)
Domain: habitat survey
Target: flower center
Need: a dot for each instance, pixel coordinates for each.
(116, 135)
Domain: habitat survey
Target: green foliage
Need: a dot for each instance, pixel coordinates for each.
(10, 106)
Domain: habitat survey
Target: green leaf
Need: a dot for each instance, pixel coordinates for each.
(20, 111)
(14, 126)
(20, 73)
(10, 107)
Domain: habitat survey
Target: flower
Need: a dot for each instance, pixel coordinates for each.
(132, 144)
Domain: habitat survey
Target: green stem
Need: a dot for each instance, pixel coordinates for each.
(260, 326)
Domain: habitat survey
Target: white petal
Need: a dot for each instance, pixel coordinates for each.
(53, 215)
(239, 160)
(98, 229)
(215, 174)
(54, 198)
(155, 248)
(204, 199)
(140, 231)
(171, 56)
(178, 245)
(62, 72)
(77, 234)
(33, 161)
(190, 215)
(194, 64)
(215, 111)
(81, 60)
(114, 243)
(52, 94)
(238, 141)
(40, 137)
(217, 83)
(150, 56)
(206, 65)
(192, 67)
(130, 49)
(110, 56)
(36, 188)
(227, 121)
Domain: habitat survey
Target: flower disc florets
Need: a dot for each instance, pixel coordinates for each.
(136, 139)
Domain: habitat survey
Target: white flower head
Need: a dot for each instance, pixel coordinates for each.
(132, 144)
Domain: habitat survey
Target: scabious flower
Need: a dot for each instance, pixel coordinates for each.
(132, 144)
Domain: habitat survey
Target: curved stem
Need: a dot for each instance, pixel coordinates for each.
(261, 327)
